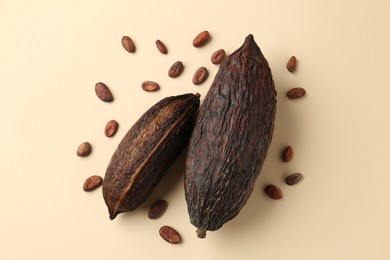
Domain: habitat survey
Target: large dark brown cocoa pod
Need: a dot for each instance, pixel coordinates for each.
(231, 138)
(147, 151)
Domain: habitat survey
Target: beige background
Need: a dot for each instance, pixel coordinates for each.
(53, 52)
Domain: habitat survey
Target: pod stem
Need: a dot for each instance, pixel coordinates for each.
(201, 233)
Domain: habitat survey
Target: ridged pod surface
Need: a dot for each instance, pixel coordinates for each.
(146, 152)
(231, 138)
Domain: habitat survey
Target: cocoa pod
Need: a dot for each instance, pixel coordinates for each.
(146, 152)
(231, 138)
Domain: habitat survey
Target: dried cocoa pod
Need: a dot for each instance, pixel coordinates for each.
(231, 138)
(146, 152)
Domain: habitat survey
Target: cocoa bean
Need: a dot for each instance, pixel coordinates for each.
(200, 76)
(128, 44)
(218, 56)
(161, 47)
(176, 69)
(294, 178)
(201, 39)
(103, 92)
(170, 235)
(287, 154)
(84, 149)
(92, 183)
(150, 86)
(295, 93)
(273, 191)
(157, 209)
(291, 64)
(111, 128)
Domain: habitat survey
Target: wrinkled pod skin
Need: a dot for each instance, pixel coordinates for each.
(147, 151)
(231, 138)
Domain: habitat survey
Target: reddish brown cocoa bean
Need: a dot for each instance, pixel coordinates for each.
(157, 209)
(161, 47)
(294, 178)
(128, 44)
(176, 69)
(170, 235)
(92, 183)
(295, 93)
(103, 92)
(84, 149)
(201, 39)
(273, 191)
(287, 154)
(150, 86)
(218, 56)
(200, 76)
(111, 128)
(292, 64)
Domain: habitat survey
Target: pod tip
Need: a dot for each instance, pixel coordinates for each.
(201, 233)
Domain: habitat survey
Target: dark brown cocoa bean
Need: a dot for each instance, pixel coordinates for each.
(273, 191)
(287, 154)
(128, 44)
(295, 93)
(292, 64)
(92, 183)
(176, 69)
(84, 149)
(201, 39)
(200, 76)
(150, 86)
(111, 128)
(218, 56)
(103, 92)
(161, 47)
(294, 178)
(170, 235)
(157, 209)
